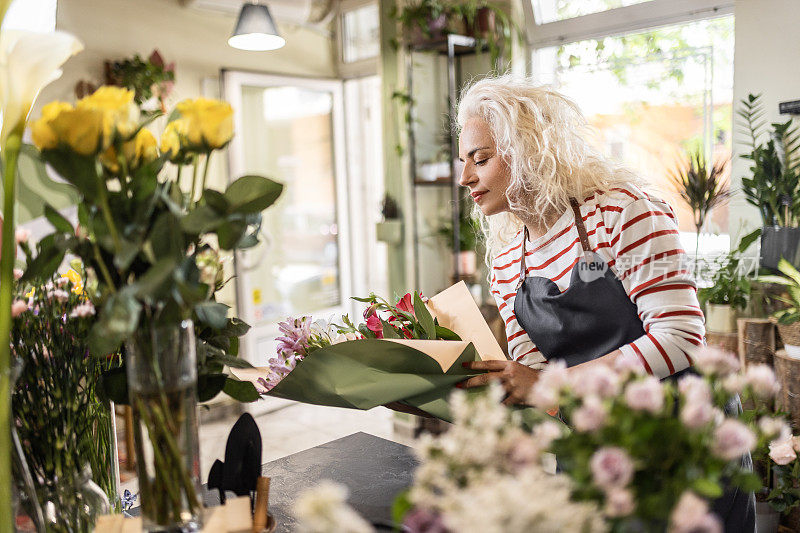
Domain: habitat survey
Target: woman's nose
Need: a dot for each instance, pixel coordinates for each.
(466, 176)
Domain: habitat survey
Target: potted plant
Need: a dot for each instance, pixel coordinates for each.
(702, 187)
(468, 231)
(489, 24)
(728, 293)
(422, 21)
(390, 230)
(788, 319)
(773, 186)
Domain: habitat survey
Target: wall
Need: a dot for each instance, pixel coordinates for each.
(766, 52)
(195, 40)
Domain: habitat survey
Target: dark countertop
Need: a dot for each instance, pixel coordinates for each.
(374, 470)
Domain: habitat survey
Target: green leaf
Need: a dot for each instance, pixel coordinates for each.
(216, 200)
(707, 487)
(57, 220)
(49, 256)
(151, 284)
(424, 317)
(388, 331)
(202, 219)
(166, 238)
(747, 481)
(445, 334)
(80, 171)
(241, 391)
(229, 360)
(748, 240)
(230, 232)
(789, 270)
(213, 314)
(401, 506)
(252, 194)
(128, 252)
(209, 385)
(117, 322)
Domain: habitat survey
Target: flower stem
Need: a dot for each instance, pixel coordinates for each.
(106, 209)
(205, 174)
(7, 253)
(103, 268)
(194, 178)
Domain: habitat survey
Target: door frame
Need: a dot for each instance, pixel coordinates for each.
(231, 82)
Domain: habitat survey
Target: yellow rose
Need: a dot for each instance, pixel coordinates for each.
(41, 130)
(121, 112)
(209, 123)
(141, 149)
(109, 159)
(81, 129)
(174, 139)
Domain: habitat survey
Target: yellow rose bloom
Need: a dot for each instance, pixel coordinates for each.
(209, 123)
(41, 130)
(173, 139)
(141, 149)
(81, 129)
(121, 112)
(109, 159)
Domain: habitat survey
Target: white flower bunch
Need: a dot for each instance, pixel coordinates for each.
(324, 508)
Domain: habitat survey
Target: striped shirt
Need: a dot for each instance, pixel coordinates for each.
(637, 236)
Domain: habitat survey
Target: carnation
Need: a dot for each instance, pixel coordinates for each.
(734, 383)
(590, 416)
(18, 307)
(774, 428)
(645, 395)
(713, 360)
(545, 433)
(611, 467)
(627, 363)
(732, 439)
(694, 389)
(697, 414)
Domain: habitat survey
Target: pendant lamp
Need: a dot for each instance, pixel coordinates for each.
(255, 30)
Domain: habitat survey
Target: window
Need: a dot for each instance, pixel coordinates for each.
(360, 33)
(652, 96)
(553, 10)
(31, 15)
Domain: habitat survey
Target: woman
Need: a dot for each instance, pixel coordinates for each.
(586, 266)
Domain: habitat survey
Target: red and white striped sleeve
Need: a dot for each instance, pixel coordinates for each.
(655, 271)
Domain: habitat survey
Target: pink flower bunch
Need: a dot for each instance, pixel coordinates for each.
(590, 416)
(732, 439)
(292, 347)
(691, 515)
(762, 380)
(83, 310)
(713, 360)
(612, 471)
(697, 410)
(645, 394)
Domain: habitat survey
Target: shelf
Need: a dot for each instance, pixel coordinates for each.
(461, 45)
(439, 181)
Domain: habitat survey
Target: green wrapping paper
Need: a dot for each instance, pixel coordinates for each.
(368, 373)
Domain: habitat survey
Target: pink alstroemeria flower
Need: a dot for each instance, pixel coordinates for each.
(406, 303)
(375, 326)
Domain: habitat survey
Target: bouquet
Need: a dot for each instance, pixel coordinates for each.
(654, 455)
(411, 352)
(60, 414)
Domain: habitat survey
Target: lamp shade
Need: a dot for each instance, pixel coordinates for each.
(255, 30)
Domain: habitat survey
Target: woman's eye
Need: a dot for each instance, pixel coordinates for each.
(482, 161)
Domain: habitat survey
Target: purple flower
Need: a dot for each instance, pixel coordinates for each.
(424, 521)
(296, 333)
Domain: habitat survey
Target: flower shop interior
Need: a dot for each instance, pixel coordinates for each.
(340, 180)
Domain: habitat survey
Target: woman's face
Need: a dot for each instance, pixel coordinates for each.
(485, 173)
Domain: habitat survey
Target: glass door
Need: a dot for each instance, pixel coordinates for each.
(291, 130)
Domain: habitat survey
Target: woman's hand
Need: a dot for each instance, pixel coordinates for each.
(517, 379)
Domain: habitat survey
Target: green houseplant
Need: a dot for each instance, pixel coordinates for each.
(788, 319)
(701, 186)
(774, 184)
(390, 230)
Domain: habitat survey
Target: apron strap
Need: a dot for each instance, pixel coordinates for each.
(523, 270)
(576, 208)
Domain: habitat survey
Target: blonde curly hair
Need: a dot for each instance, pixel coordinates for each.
(543, 137)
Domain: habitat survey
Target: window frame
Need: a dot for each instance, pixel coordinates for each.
(356, 69)
(630, 19)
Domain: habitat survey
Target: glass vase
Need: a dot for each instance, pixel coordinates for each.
(74, 504)
(162, 387)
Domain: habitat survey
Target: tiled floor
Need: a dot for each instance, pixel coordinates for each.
(288, 430)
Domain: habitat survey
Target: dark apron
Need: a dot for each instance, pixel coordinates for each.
(595, 316)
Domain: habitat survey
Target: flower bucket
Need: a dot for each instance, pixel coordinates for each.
(389, 231)
(767, 518)
(779, 242)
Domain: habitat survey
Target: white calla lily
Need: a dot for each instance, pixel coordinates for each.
(28, 62)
